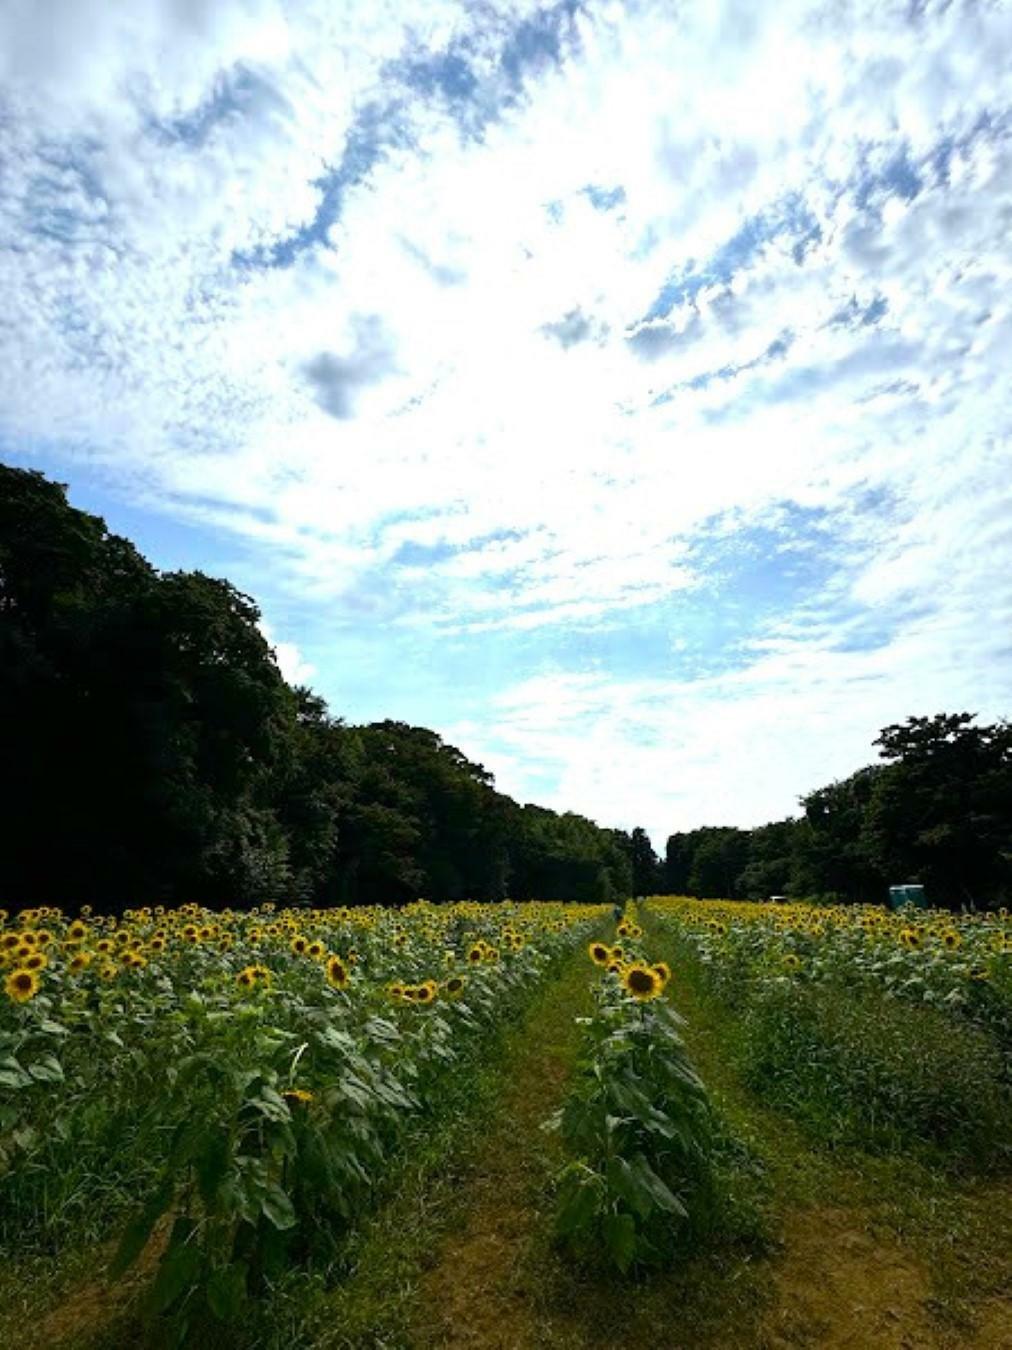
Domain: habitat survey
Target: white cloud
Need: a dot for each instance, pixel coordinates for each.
(293, 666)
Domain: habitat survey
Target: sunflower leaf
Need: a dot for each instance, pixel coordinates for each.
(620, 1239)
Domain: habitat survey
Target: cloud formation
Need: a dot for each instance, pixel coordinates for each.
(513, 321)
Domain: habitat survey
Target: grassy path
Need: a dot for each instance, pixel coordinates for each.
(438, 1266)
(463, 1256)
(478, 1291)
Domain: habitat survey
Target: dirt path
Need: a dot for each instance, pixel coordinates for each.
(477, 1292)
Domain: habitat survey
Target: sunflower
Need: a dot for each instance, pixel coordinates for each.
(476, 955)
(663, 972)
(299, 944)
(396, 991)
(642, 982)
(599, 953)
(298, 1095)
(316, 950)
(246, 979)
(79, 961)
(454, 985)
(107, 971)
(77, 931)
(792, 961)
(951, 940)
(337, 973)
(9, 941)
(425, 993)
(36, 961)
(21, 985)
(910, 938)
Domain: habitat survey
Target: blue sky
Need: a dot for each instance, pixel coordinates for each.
(618, 388)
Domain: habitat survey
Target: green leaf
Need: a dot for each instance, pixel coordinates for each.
(138, 1230)
(48, 1069)
(625, 1183)
(579, 1206)
(659, 1191)
(278, 1208)
(177, 1274)
(226, 1291)
(270, 1103)
(620, 1239)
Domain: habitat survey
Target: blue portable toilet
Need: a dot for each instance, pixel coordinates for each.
(907, 895)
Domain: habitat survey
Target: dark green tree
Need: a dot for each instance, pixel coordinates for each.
(941, 809)
(644, 863)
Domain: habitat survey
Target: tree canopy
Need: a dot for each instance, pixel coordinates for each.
(937, 811)
(154, 753)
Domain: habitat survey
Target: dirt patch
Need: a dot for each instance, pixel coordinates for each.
(838, 1284)
(90, 1306)
(994, 1325)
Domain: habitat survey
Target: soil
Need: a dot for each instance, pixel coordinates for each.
(839, 1284)
(94, 1304)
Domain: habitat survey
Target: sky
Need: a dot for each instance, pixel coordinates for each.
(620, 389)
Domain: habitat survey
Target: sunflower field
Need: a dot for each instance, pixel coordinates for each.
(878, 1028)
(228, 1088)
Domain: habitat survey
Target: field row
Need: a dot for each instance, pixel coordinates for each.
(244, 1078)
(876, 1029)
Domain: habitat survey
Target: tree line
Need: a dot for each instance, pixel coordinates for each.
(936, 811)
(153, 753)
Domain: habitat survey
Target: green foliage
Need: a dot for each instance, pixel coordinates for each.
(937, 812)
(870, 1027)
(862, 1068)
(641, 1133)
(162, 1102)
